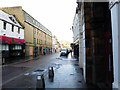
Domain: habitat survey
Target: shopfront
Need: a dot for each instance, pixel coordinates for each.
(12, 47)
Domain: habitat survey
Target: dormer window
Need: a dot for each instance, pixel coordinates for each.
(12, 19)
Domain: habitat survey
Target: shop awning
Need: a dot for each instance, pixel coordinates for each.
(11, 40)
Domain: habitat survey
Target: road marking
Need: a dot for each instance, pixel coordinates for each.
(13, 78)
(18, 76)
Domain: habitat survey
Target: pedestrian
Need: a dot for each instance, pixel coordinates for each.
(71, 52)
(44, 51)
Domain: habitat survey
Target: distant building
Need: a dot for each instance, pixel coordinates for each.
(75, 29)
(65, 44)
(56, 45)
(11, 36)
(38, 38)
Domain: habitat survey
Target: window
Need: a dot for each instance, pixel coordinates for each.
(18, 30)
(34, 30)
(37, 31)
(12, 19)
(37, 41)
(4, 25)
(34, 40)
(5, 47)
(12, 28)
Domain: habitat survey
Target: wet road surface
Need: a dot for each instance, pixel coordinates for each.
(67, 73)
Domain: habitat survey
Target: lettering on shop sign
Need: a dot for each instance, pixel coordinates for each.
(13, 42)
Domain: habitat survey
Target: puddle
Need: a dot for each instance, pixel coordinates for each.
(56, 65)
(64, 58)
(59, 58)
(38, 70)
(27, 74)
(71, 74)
(76, 64)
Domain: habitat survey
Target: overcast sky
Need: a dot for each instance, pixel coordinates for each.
(56, 15)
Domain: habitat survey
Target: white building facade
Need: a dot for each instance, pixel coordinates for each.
(12, 36)
(53, 45)
(75, 29)
(115, 17)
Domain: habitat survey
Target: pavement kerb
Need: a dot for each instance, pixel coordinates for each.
(19, 62)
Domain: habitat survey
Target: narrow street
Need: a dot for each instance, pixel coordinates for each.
(67, 73)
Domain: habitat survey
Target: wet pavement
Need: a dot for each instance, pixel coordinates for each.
(23, 75)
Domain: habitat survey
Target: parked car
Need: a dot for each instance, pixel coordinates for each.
(64, 51)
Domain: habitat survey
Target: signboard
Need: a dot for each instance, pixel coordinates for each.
(10, 40)
(35, 44)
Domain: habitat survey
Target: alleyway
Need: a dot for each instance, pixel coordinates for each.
(67, 73)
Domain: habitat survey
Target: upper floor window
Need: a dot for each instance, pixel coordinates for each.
(37, 31)
(12, 19)
(34, 40)
(37, 41)
(4, 25)
(12, 28)
(34, 30)
(18, 30)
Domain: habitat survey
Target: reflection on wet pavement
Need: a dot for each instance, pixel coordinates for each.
(68, 57)
(67, 74)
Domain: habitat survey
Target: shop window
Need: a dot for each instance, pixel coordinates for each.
(16, 47)
(7, 48)
(4, 47)
(20, 47)
(12, 28)
(4, 25)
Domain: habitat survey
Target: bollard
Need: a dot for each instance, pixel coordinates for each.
(40, 82)
(51, 72)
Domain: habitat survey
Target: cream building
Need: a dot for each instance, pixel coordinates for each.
(37, 37)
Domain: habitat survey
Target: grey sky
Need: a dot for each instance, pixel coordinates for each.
(56, 15)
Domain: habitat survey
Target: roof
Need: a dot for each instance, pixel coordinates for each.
(29, 19)
(9, 18)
